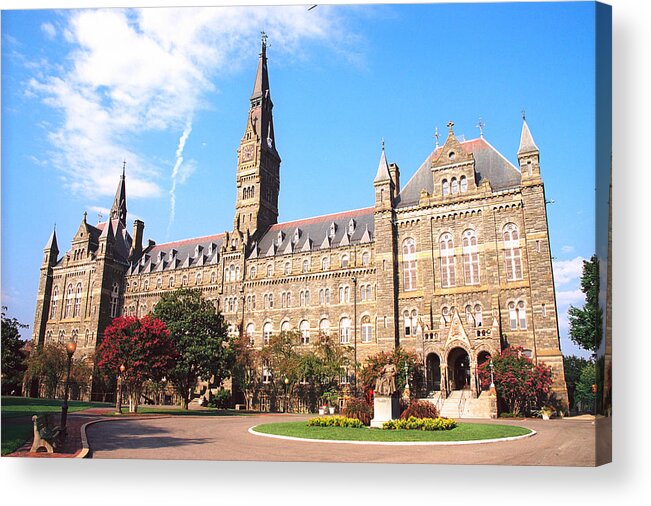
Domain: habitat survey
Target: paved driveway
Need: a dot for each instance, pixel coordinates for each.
(558, 442)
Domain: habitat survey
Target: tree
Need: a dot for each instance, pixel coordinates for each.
(143, 346)
(585, 392)
(401, 358)
(585, 323)
(573, 367)
(520, 384)
(48, 364)
(201, 338)
(13, 357)
(246, 368)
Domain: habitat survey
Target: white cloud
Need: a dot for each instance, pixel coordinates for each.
(49, 30)
(566, 271)
(133, 72)
(569, 297)
(567, 249)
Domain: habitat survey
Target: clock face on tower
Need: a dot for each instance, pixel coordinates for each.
(247, 153)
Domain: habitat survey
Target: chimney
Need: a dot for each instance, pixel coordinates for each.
(394, 172)
(136, 242)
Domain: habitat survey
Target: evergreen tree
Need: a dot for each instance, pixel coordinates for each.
(585, 323)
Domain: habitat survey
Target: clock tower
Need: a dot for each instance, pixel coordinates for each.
(258, 162)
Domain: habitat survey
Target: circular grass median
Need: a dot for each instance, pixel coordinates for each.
(463, 432)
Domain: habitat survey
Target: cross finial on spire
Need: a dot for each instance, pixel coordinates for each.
(524, 116)
(436, 136)
(85, 216)
(124, 166)
(264, 37)
(382, 143)
(481, 126)
(450, 125)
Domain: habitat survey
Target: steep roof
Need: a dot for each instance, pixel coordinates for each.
(526, 139)
(489, 164)
(318, 231)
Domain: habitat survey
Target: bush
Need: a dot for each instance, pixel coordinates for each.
(420, 409)
(413, 423)
(335, 421)
(222, 399)
(360, 409)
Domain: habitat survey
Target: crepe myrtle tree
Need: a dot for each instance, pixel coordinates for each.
(143, 346)
(201, 339)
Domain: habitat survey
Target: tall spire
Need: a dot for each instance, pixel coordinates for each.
(261, 84)
(383, 168)
(119, 208)
(52, 241)
(526, 140)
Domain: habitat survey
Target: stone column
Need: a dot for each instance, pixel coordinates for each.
(473, 378)
(444, 380)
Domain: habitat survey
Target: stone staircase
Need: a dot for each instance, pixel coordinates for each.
(460, 404)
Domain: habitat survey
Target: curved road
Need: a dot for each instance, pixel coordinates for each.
(558, 443)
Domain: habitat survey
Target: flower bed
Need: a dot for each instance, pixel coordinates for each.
(335, 421)
(413, 423)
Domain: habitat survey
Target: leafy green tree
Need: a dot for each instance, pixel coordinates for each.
(573, 367)
(585, 323)
(13, 358)
(48, 364)
(246, 369)
(584, 392)
(407, 363)
(201, 338)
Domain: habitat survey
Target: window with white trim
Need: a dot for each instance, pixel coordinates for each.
(367, 329)
(324, 327)
(266, 332)
(446, 187)
(454, 186)
(366, 258)
(69, 295)
(409, 263)
(55, 301)
(305, 332)
(478, 316)
(512, 252)
(446, 248)
(306, 266)
(463, 183)
(344, 330)
(470, 257)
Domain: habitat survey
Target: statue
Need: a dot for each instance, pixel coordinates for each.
(386, 382)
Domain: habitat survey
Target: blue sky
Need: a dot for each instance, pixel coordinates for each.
(165, 88)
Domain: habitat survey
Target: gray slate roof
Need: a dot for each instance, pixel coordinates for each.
(489, 164)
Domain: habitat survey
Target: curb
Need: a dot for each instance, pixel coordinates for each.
(395, 443)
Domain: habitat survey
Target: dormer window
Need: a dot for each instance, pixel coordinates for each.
(172, 253)
(197, 250)
(161, 255)
(351, 226)
(279, 240)
(333, 230)
(452, 155)
(297, 235)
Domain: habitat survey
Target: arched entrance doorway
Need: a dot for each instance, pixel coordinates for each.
(433, 372)
(459, 369)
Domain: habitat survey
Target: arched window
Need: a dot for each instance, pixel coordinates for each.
(470, 258)
(284, 326)
(237, 273)
(115, 293)
(446, 247)
(512, 253)
(454, 186)
(409, 264)
(478, 315)
(324, 264)
(266, 332)
(232, 269)
(367, 329)
(87, 337)
(306, 265)
(184, 281)
(289, 299)
(287, 268)
(446, 314)
(250, 334)
(305, 332)
(307, 297)
(159, 283)
(344, 330)
(69, 295)
(344, 261)
(62, 336)
(446, 188)
(322, 296)
(252, 273)
(327, 295)
(362, 292)
(270, 270)
(77, 308)
(283, 299)
(197, 279)
(171, 282)
(324, 327)
(407, 323)
(366, 258)
(145, 285)
(55, 301)
(469, 316)
(227, 275)
(463, 182)
(75, 334)
(522, 316)
(266, 372)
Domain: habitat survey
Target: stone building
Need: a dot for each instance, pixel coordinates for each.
(453, 265)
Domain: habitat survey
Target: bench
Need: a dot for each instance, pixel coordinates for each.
(240, 407)
(45, 434)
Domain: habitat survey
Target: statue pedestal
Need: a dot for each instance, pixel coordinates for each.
(384, 409)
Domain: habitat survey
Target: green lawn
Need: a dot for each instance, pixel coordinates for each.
(16, 432)
(463, 432)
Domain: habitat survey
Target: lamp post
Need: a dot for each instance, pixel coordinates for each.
(118, 400)
(355, 334)
(286, 393)
(71, 347)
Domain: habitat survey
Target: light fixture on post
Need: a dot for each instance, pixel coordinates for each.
(118, 400)
(71, 347)
(286, 393)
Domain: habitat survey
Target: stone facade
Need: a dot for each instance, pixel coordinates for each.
(454, 266)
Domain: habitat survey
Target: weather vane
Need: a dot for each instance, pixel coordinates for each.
(481, 126)
(436, 136)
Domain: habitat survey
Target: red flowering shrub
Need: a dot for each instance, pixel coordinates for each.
(420, 409)
(360, 409)
(142, 345)
(520, 384)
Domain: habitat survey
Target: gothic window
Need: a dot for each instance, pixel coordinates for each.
(62, 336)
(414, 322)
(446, 247)
(253, 272)
(270, 270)
(213, 277)
(446, 314)
(184, 281)
(306, 266)
(365, 258)
(68, 307)
(478, 315)
(232, 273)
(409, 264)
(446, 188)
(322, 296)
(469, 317)
(115, 292)
(280, 238)
(289, 299)
(327, 295)
(197, 279)
(271, 300)
(463, 183)
(250, 334)
(266, 300)
(145, 285)
(237, 273)
(513, 316)
(454, 186)
(522, 316)
(297, 235)
(284, 326)
(266, 332)
(407, 322)
(362, 292)
(77, 300)
(305, 332)
(48, 336)
(307, 297)
(324, 327)
(159, 283)
(470, 258)
(171, 282)
(324, 264)
(512, 253)
(74, 335)
(367, 329)
(287, 268)
(302, 298)
(283, 299)
(332, 231)
(55, 301)
(544, 311)
(344, 261)
(344, 330)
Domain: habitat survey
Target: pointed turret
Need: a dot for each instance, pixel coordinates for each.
(51, 249)
(527, 145)
(119, 208)
(385, 188)
(261, 83)
(383, 168)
